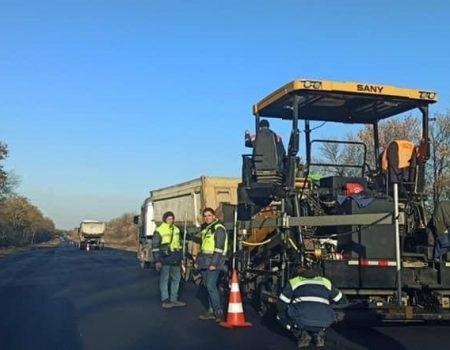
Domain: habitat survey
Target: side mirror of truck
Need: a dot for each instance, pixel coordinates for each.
(136, 219)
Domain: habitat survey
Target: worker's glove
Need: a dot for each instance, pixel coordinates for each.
(158, 266)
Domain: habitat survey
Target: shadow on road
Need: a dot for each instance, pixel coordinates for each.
(361, 338)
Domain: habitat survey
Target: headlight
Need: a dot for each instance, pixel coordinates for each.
(308, 84)
(425, 95)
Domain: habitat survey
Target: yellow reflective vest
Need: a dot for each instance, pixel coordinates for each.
(208, 242)
(170, 235)
(300, 281)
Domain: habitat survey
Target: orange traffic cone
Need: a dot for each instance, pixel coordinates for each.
(235, 316)
(88, 248)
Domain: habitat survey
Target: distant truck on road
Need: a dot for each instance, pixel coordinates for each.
(91, 234)
(186, 200)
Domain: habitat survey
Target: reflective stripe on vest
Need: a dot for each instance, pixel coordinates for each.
(311, 299)
(338, 297)
(208, 242)
(301, 281)
(285, 299)
(165, 230)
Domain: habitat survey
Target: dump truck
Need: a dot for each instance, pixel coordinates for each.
(91, 233)
(186, 200)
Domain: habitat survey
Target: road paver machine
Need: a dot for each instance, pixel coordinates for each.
(369, 232)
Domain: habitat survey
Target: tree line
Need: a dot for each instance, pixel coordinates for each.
(21, 223)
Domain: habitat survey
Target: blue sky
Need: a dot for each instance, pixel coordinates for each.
(101, 101)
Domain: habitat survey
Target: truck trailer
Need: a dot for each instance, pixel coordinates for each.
(186, 200)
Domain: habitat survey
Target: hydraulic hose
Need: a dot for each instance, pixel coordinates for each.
(256, 244)
(293, 244)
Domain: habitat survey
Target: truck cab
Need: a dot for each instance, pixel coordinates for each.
(146, 226)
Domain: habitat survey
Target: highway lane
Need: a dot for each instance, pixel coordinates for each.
(63, 298)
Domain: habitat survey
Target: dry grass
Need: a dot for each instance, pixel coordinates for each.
(14, 250)
(121, 233)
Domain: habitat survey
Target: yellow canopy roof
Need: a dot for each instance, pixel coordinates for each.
(347, 102)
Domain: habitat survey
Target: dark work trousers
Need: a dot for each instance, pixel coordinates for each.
(169, 274)
(210, 279)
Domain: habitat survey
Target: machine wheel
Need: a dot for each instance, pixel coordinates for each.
(259, 298)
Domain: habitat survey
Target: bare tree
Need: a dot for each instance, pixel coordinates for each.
(408, 128)
(438, 170)
(332, 154)
(8, 181)
(342, 159)
(21, 222)
(3, 173)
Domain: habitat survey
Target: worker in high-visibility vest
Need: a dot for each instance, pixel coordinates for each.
(211, 261)
(166, 249)
(304, 307)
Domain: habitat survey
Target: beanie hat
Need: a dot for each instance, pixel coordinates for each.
(167, 215)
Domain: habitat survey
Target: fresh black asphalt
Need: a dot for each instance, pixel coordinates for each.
(64, 298)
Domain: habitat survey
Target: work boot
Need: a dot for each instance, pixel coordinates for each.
(305, 340)
(319, 339)
(208, 315)
(178, 303)
(166, 304)
(219, 316)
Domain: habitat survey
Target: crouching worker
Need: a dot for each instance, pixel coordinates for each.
(304, 307)
(166, 249)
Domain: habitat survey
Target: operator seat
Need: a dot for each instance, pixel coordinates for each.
(399, 162)
(268, 157)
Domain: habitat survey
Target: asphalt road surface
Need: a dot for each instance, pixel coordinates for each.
(64, 298)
